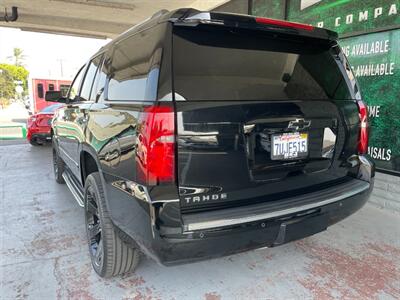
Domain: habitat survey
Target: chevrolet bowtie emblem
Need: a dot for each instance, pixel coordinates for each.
(299, 124)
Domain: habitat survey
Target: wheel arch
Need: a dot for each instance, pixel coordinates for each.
(88, 163)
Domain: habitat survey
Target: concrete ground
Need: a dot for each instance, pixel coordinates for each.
(44, 253)
(15, 112)
(14, 115)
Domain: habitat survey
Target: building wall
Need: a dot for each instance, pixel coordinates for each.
(235, 6)
(269, 8)
(386, 192)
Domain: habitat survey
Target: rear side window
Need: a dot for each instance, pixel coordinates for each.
(134, 68)
(222, 65)
(126, 89)
(128, 79)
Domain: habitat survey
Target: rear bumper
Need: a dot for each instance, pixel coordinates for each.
(303, 204)
(224, 232)
(220, 241)
(41, 135)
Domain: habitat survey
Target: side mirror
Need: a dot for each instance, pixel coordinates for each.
(55, 96)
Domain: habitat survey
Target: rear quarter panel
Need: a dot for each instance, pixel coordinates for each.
(112, 133)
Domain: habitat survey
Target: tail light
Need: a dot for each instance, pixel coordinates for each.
(155, 153)
(363, 135)
(281, 23)
(31, 120)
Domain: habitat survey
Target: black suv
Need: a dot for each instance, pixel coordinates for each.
(200, 134)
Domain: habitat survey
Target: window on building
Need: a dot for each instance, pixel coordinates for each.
(40, 90)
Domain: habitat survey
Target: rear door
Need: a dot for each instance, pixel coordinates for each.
(260, 116)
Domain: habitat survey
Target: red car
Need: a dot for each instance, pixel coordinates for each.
(39, 125)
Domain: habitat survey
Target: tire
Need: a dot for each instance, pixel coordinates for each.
(34, 142)
(109, 254)
(58, 166)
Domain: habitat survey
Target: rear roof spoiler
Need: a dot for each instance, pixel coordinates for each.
(193, 17)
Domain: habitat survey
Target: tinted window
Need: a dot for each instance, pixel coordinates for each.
(40, 90)
(51, 108)
(74, 89)
(221, 65)
(64, 89)
(130, 67)
(89, 79)
(98, 86)
(127, 89)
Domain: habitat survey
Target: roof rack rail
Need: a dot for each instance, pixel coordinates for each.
(159, 13)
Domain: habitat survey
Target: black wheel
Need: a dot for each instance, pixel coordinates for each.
(110, 255)
(58, 166)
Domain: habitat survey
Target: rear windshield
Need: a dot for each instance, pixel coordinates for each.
(51, 108)
(225, 65)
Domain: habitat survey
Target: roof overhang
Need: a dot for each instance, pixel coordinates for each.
(90, 18)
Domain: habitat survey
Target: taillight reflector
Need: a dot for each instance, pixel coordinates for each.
(282, 23)
(155, 153)
(363, 135)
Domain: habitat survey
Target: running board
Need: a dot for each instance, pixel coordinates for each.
(74, 188)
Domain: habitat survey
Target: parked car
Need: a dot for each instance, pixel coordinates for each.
(201, 134)
(39, 125)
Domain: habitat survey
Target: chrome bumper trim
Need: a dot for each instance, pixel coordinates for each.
(212, 224)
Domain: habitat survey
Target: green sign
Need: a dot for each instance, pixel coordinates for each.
(375, 59)
(346, 16)
(268, 8)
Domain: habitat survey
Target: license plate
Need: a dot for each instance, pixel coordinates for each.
(289, 145)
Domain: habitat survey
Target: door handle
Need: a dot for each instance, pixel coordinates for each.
(99, 94)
